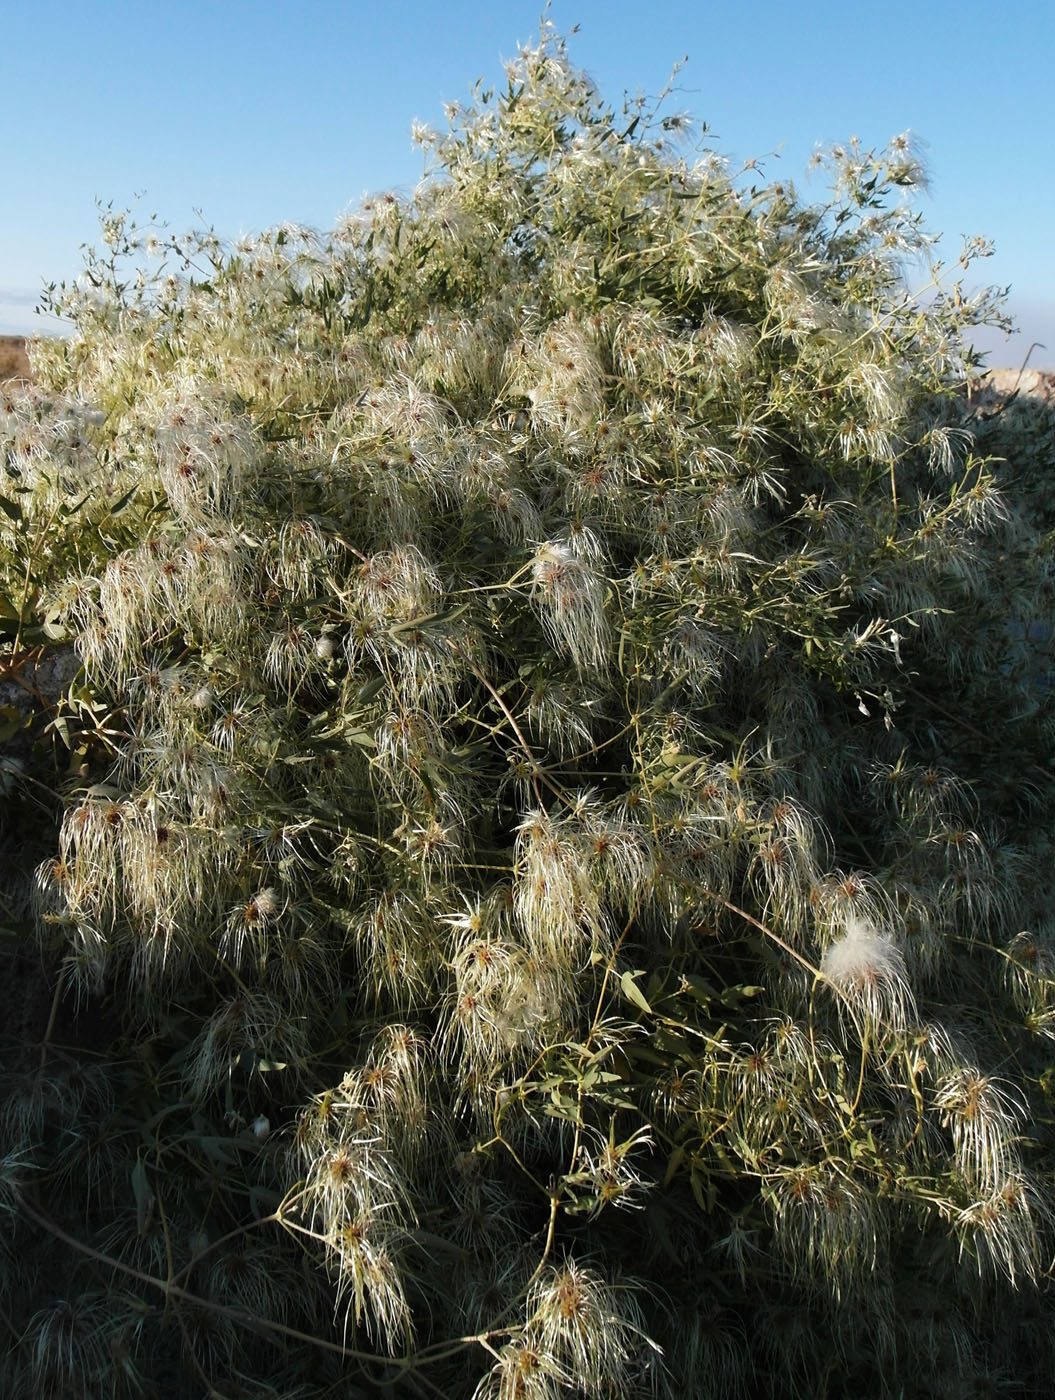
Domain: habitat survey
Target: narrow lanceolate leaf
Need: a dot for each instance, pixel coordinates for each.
(633, 992)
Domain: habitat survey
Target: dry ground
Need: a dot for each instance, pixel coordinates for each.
(14, 363)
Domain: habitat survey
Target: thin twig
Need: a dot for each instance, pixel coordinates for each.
(52, 1016)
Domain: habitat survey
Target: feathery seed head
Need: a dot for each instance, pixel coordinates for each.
(868, 969)
(570, 594)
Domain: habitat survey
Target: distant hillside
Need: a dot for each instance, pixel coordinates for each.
(14, 363)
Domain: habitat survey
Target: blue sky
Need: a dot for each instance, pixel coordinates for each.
(257, 112)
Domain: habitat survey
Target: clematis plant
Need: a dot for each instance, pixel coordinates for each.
(551, 892)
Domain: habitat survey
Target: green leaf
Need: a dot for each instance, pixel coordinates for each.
(119, 505)
(676, 1159)
(732, 995)
(699, 988)
(370, 689)
(633, 992)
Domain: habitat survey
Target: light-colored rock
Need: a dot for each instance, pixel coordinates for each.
(1000, 384)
